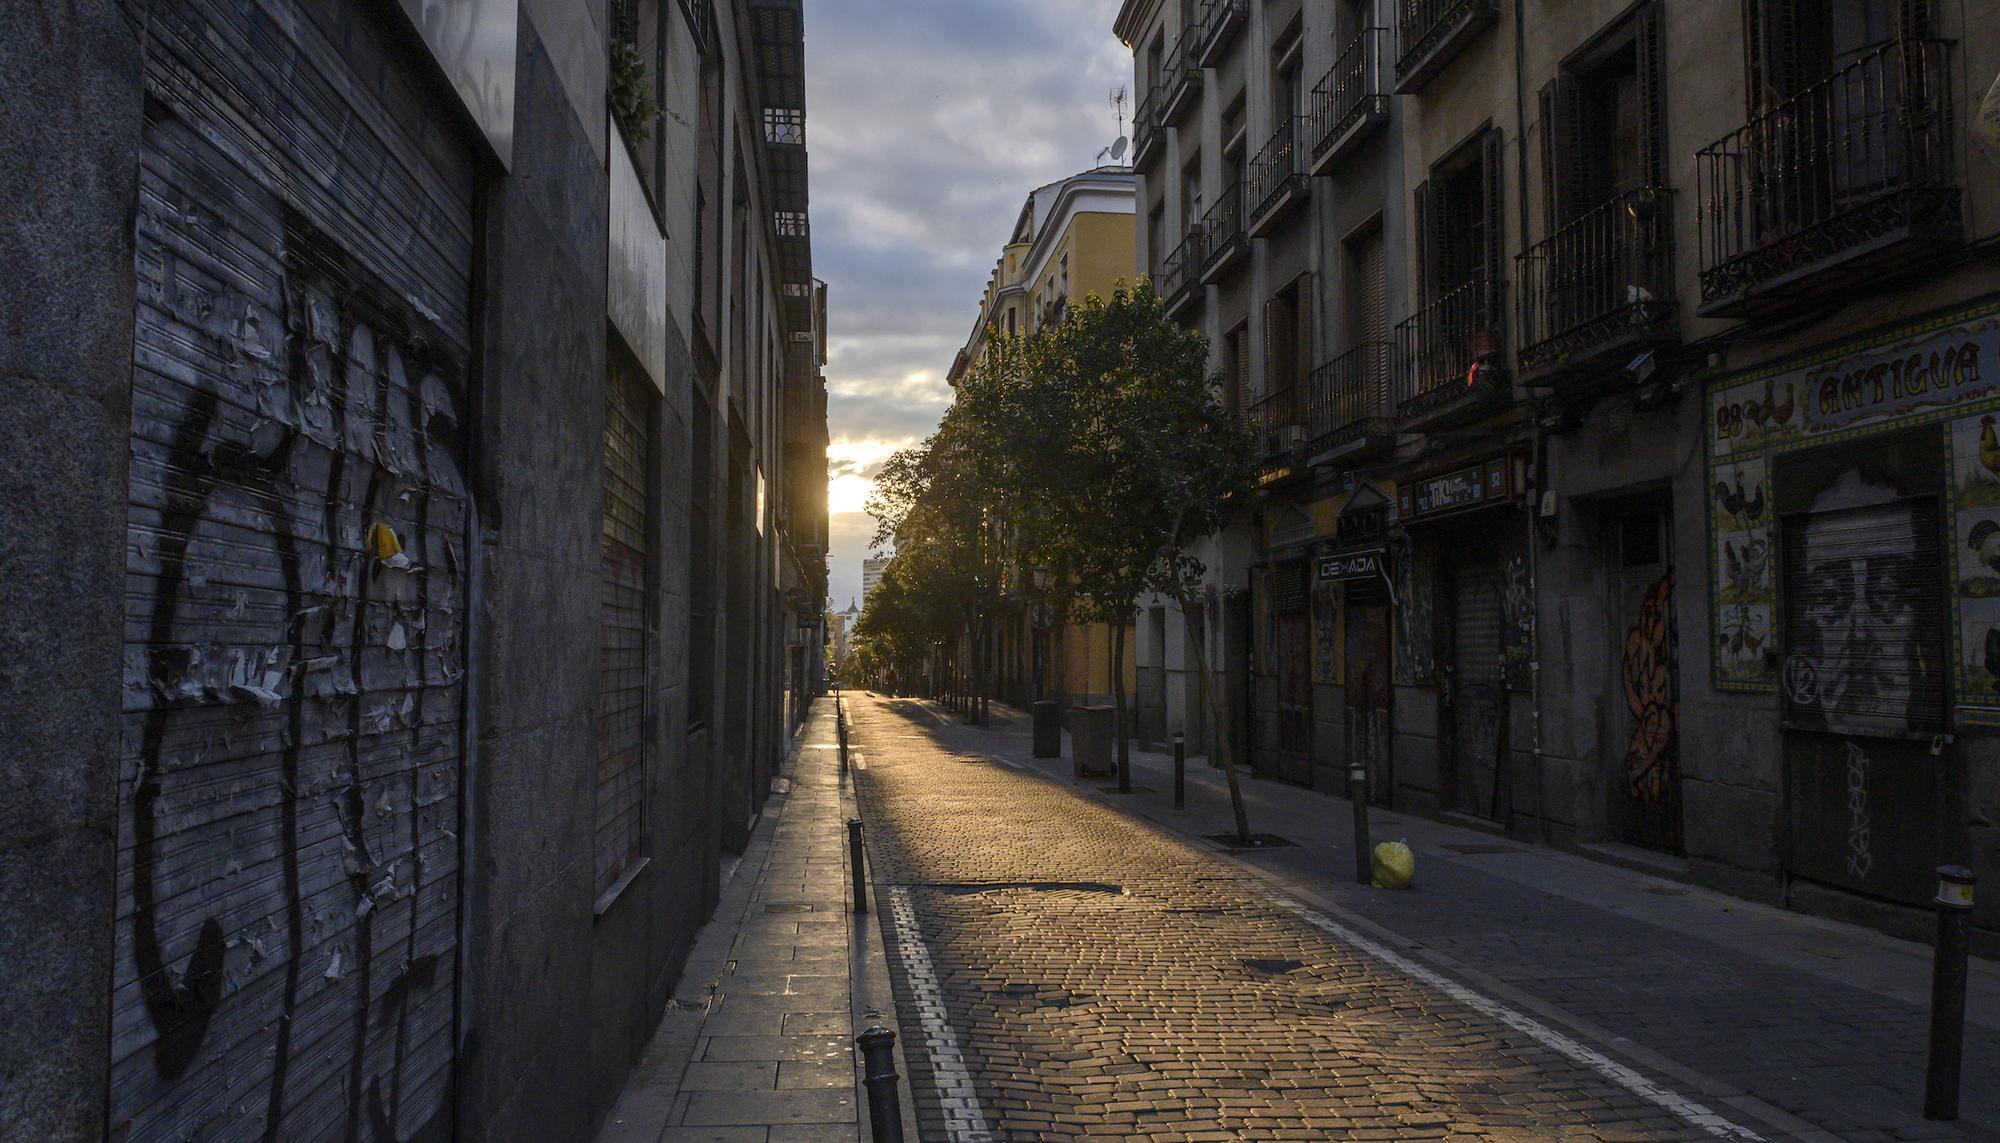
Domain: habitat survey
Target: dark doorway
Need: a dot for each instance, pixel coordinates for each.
(1292, 656)
(1366, 650)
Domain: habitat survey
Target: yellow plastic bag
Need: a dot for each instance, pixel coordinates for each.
(1395, 866)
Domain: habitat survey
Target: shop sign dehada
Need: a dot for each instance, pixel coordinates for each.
(1943, 370)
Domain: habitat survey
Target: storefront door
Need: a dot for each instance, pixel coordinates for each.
(1293, 661)
(1366, 649)
(1864, 677)
(1643, 744)
(1474, 697)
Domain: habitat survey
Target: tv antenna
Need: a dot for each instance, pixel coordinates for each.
(1117, 148)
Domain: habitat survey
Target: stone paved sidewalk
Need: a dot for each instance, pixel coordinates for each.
(1812, 1028)
(757, 1044)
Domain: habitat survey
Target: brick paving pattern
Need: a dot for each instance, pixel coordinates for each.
(1106, 980)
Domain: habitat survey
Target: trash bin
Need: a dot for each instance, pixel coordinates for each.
(1048, 728)
(1091, 729)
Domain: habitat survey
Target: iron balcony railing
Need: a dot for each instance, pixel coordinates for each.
(1279, 420)
(1850, 160)
(1180, 274)
(1348, 398)
(1431, 31)
(1182, 76)
(1601, 278)
(1220, 21)
(1222, 230)
(1146, 124)
(1438, 346)
(1276, 165)
(1350, 92)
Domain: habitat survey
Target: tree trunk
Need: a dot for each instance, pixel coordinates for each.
(1118, 707)
(1224, 744)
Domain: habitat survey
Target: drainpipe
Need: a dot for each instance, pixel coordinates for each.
(1540, 482)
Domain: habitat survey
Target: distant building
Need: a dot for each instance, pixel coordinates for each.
(839, 627)
(871, 574)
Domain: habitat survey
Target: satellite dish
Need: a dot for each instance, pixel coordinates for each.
(1118, 147)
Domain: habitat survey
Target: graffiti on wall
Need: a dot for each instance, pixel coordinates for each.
(1416, 618)
(1940, 369)
(1648, 672)
(288, 860)
(1517, 636)
(1326, 610)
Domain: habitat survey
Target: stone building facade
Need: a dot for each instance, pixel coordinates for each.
(431, 472)
(1620, 372)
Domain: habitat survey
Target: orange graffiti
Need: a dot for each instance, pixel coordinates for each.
(1649, 693)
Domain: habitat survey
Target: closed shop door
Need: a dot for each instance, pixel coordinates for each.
(1645, 738)
(1474, 696)
(1366, 649)
(288, 873)
(1293, 655)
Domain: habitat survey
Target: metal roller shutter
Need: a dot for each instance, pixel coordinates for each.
(621, 701)
(288, 873)
(1865, 621)
(1477, 623)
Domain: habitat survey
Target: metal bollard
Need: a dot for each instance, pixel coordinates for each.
(855, 859)
(885, 1109)
(1364, 854)
(1954, 927)
(1180, 770)
(842, 728)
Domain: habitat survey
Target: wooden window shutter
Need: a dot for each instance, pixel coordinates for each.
(1271, 373)
(1302, 360)
(1492, 162)
(1914, 20)
(1774, 54)
(1566, 172)
(1420, 210)
(1242, 340)
(1649, 44)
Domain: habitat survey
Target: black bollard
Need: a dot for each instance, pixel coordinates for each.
(1954, 927)
(860, 871)
(1364, 854)
(1180, 770)
(885, 1109)
(842, 728)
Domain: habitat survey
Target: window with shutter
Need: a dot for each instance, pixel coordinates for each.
(1420, 210)
(1649, 44)
(622, 626)
(1492, 164)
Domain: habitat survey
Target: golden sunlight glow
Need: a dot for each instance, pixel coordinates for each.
(848, 493)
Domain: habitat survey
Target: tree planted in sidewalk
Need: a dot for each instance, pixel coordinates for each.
(1126, 456)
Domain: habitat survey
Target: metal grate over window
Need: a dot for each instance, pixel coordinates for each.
(621, 701)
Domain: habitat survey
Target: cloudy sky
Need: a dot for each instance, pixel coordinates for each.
(930, 121)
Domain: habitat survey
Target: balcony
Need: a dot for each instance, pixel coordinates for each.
(1182, 81)
(1348, 413)
(1279, 421)
(1432, 34)
(1599, 288)
(1220, 21)
(1448, 359)
(1849, 180)
(1349, 103)
(1180, 284)
(1276, 179)
(1146, 126)
(1224, 241)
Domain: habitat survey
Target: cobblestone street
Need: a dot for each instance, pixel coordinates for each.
(1064, 970)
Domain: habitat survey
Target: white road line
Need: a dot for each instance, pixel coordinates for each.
(963, 1121)
(1610, 1069)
